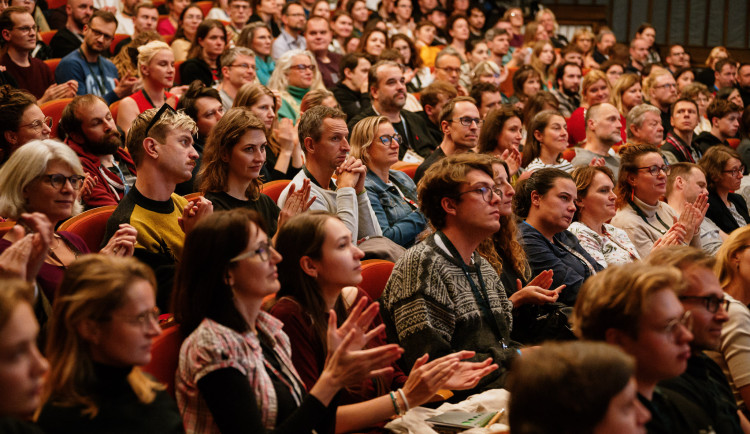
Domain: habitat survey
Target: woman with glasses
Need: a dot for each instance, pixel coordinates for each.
(546, 203)
(21, 120)
(648, 221)
(203, 57)
(296, 74)
(733, 269)
(45, 176)
(190, 19)
(595, 207)
(546, 140)
(156, 71)
(235, 373)
(257, 37)
(393, 194)
(319, 278)
(101, 330)
(724, 171)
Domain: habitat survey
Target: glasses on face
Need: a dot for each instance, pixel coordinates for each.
(299, 15)
(37, 125)
(467, 121)
(27, 29)
(145, 320)
(711, 302)
(98, 34)
(302, 67)
(672, 327)
(263, 252)
(654, 170)
(486, 192)
(57, 180)
(736, 171)
(245, 66)
(388, 140)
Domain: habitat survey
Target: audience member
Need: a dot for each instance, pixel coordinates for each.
(678, 147)
(676, 58)
(293, 19)
(460, 123)
(351, 89)
(92, 134)
(595, 206)
(725, 122)
(239, 14)
(21, 120)
(684, 77)
(639, 50)
(626, 93)
(568, 80)
(237, 69)
(595, 89)
(724, 169)
(603, 127)
(487, 96)
(318, 37)
(644, 126)
(448, 68)
(257, 37)
(744, 147)
(743, 83)
(267, 13)
(296, 74)
(660, 90)
(102, 326)
(546, 139)
(203, 57)
(698, 92)
(502, 136)
(173, 11)
(94, 73)
(725, 73)
(526, 83)
(190, 18)
(144, 17)
(69, 38)
(126, 61)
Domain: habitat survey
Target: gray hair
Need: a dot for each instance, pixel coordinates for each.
(28, 163)
(230, 55)
(637, 115)
(279, 80)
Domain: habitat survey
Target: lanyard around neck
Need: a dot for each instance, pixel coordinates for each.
(642, 215)
(99, 80)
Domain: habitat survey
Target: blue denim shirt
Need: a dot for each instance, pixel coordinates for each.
(398, 220)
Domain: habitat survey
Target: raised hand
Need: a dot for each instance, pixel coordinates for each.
(298, 201)
(193, 212)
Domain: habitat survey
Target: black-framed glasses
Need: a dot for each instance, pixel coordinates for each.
(486, 192)
(58, 180)
(99, 34)
(711, 302)
(654, 170)
(158, 116)
(37, 124)
(467, 121)
(685, 320)
(146, 319)
(736, 171)
(263, 252)
(302, 67)
(387, 140)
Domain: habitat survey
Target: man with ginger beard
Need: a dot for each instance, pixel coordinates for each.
(93, 135)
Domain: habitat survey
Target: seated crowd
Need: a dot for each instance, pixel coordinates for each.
(249, 157)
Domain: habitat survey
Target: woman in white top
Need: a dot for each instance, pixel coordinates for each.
(546, 140)
(595, 207)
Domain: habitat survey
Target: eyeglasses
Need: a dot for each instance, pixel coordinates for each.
(57, 180)
(388, 140)
(244, 66)
(666, 85)
(736, 171)
(263, 252)
(27, 29)
(672, 327)
(654, 170)
(449, 70)
(37, 124)
(711, 302)
(467, 121)
(302, 67)
(158, 116)
(99, 34)
(300, 15)
(486, 192)
(146, 319)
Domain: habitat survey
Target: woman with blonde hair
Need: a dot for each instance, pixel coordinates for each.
(488, 71)
(393, 194)
(126, 60)
(232, 162)
(284, 157)
(156, 71)
(543, 60)
(626, 93)
(595, 89)
(296, 74)
(318, 97)
(583, 38)
(101, 330)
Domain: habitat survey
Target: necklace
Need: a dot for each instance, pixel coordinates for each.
(57, 239)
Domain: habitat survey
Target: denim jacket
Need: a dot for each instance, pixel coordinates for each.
(399, 221)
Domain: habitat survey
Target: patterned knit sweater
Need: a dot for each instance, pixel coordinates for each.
(428, 306)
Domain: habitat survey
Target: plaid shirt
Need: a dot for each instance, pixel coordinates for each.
(568, 104)
(213, 346)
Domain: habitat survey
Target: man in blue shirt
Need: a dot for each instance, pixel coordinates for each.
(95, 74)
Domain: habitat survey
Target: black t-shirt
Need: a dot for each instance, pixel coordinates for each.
(264, 205)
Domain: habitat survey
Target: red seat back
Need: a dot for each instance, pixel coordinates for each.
(90, 225)
(375, 274)
(165, 356)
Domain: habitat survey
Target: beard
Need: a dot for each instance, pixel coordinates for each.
(106, 146)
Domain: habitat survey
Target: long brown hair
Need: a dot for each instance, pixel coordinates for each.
(533, 147)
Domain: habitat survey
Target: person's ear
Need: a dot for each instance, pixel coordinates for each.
(449, 206)
(150, 146)
(11, 137)
(539, 135)
(536, 198)
(6, 34)
(309, 145)
(229, 278)
(618, 338)
(445, 127)
(89, 331)
(308, 266)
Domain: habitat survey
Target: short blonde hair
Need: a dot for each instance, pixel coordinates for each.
(28, 163)
(148, 51)
(592, 77)
(725, 268)
(169, 120)
(362, 136)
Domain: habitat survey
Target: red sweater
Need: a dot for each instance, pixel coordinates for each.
(103, 193)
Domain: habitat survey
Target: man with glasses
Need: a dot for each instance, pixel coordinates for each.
(237, 69)
(443, 296)
(725, 121)
(602, 132)
(318, 37)
(460, 123)
(661, 92)
(19, 34)
(69, 38)
(161, 145)
(448, 68)
(94, 73)
(676, 59)
(93, 135)
(323, 135)
(703, 383)
(635, 307)
(388, 96)
(239, 14)
(293, 21)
